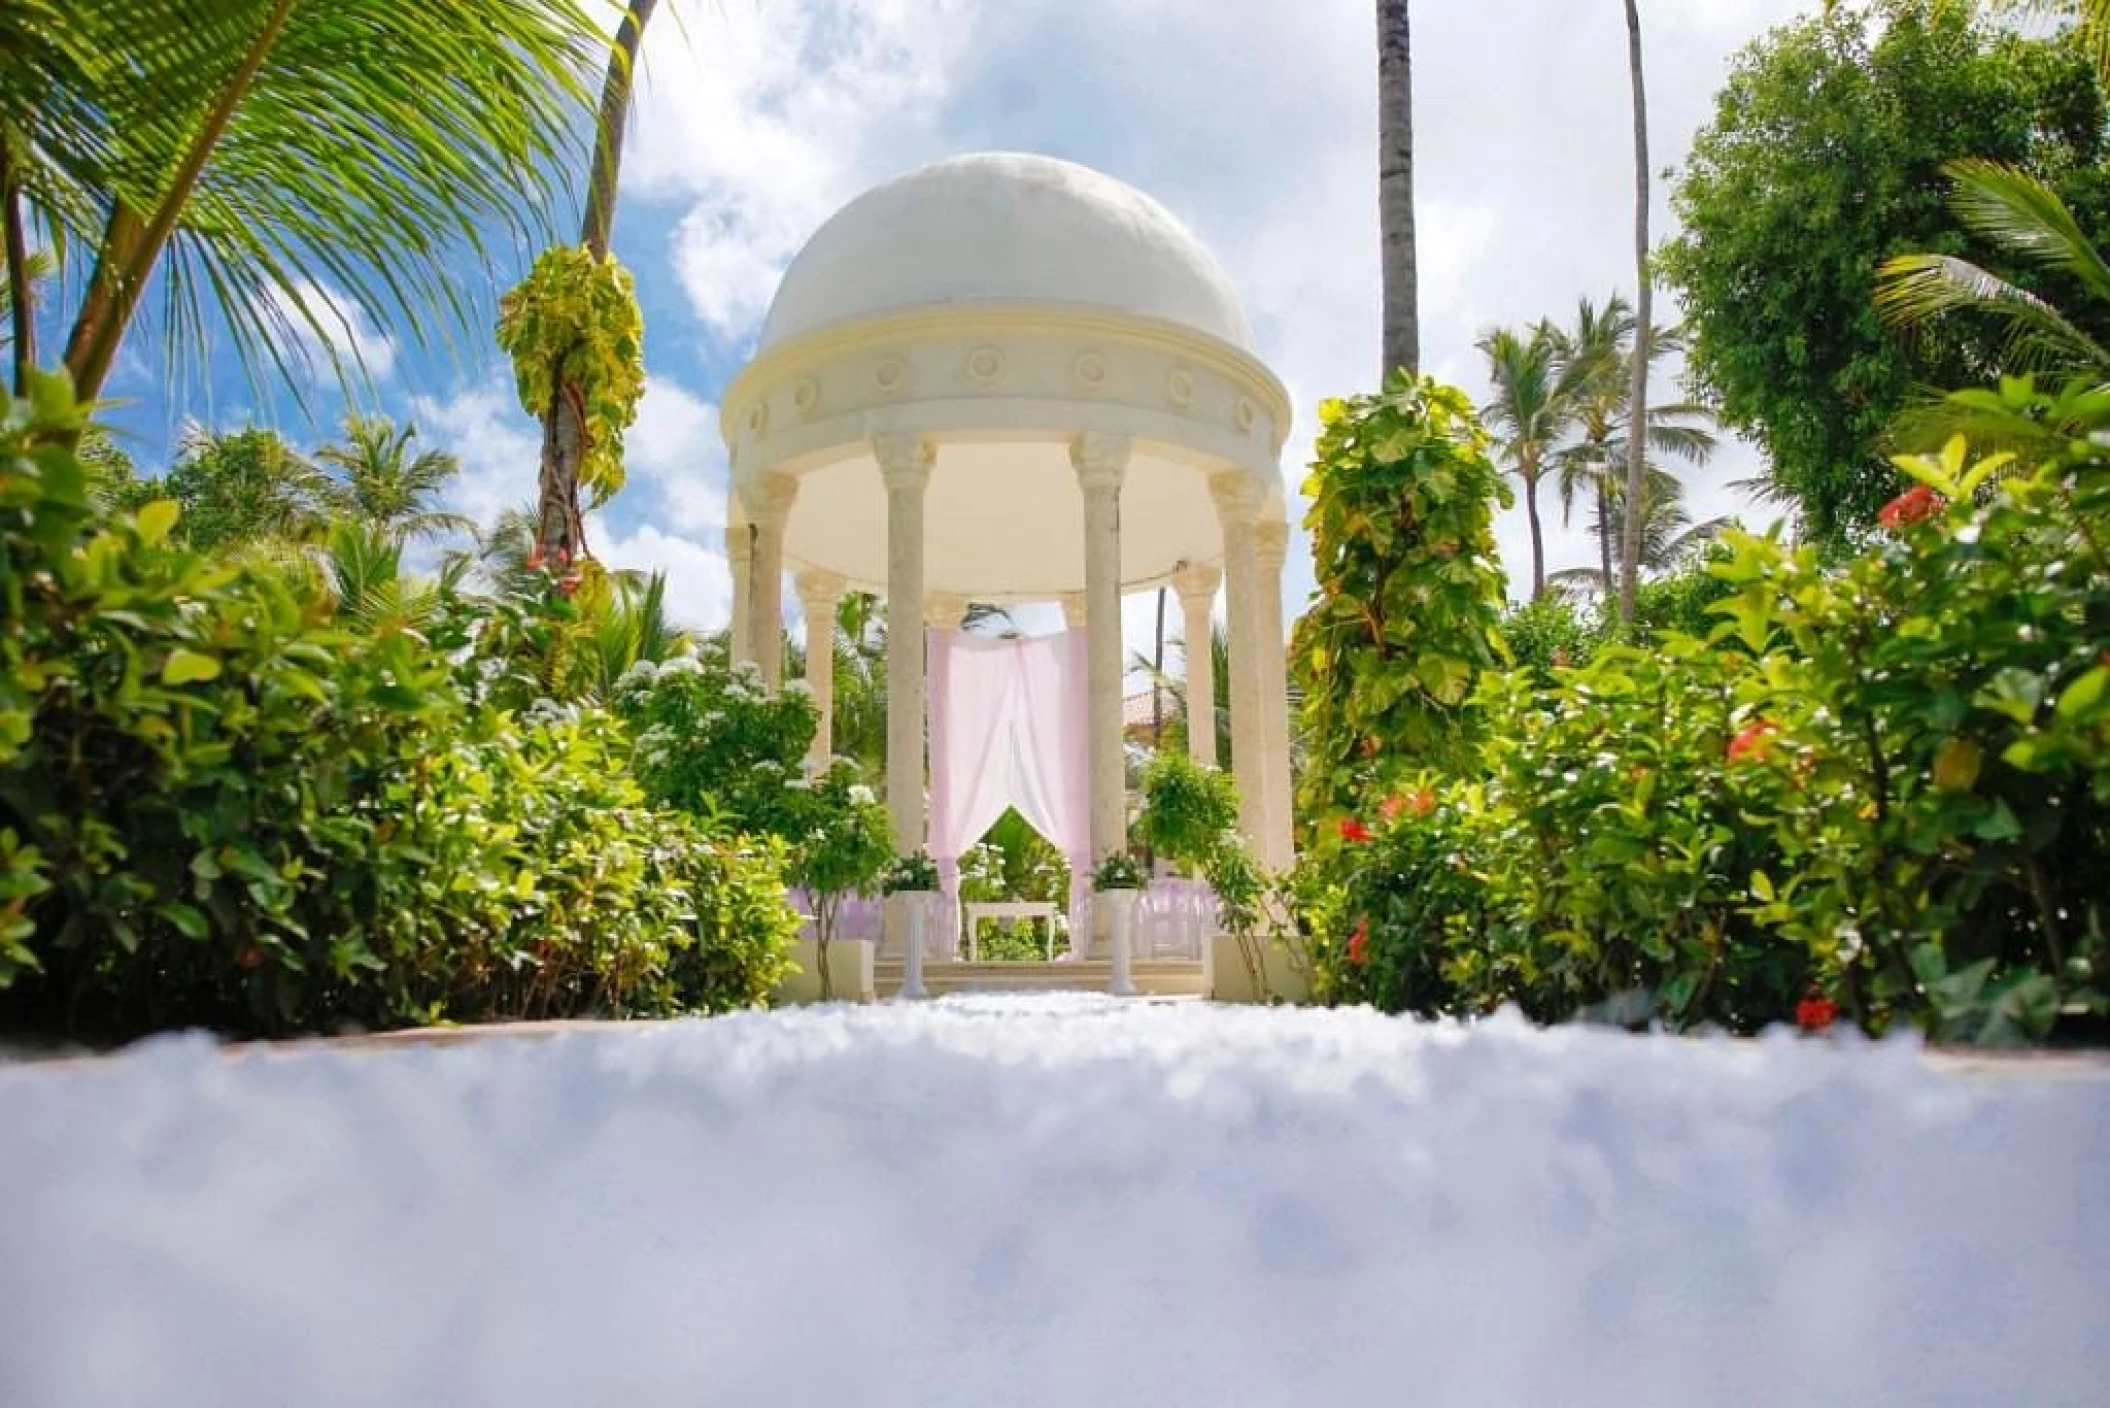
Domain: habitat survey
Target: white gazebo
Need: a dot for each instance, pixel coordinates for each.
(1006, 378)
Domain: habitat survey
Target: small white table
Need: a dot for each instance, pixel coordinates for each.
(1042, 910)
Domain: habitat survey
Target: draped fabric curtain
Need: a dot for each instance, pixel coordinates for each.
(1007, 729)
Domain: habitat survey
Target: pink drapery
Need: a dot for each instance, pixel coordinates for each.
(1007, 729)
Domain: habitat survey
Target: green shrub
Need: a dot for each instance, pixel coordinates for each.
(220, 805)
(1885, 782)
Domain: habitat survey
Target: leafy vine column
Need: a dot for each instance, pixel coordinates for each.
(1238, 509)
(1197, 588)
(1101, 462)
(1271, 544)
(819, 593)
(768, 509)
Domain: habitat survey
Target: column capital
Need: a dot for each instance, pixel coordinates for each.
(943, 610)
(1196, 582)
(1271, 542)
(1100, 459)
(768, 500)
(1073, 612)
(818, 589)
(1237, 496)
(905, 459)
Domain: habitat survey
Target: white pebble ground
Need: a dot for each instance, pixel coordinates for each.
(1059, 1201)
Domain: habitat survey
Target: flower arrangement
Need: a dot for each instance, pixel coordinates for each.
(911, 873)
(1118, 871)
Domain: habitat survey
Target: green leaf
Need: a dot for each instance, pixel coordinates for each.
(154, 521)
(2084, 693)
(189, 667)
(188, 919)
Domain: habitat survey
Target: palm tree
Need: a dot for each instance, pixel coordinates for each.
(1598, 354)
(244, 151)
(560, 522)
(1533, 406)
(384, 484)
(1669, 537)
(1395, 188)
(2021, 215)
(1637, 447)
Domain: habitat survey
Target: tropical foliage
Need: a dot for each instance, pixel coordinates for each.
(1883, 787)
(1823, 161)
(228, 798)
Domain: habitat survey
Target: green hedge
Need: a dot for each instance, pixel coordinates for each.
(220, 806)
(1883, 785)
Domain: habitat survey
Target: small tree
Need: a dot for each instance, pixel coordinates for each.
(1410, 590)
(712, 741)
(845, 849)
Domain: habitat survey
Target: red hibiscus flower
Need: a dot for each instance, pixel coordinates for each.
(1915, 504)
(1353, 830)
(1359, 944)
(1753, 740)
(1816, 1012)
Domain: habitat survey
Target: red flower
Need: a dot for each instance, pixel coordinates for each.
(1391, 807)
(1917, 503)
(1816, 1012)
(567, 585)
(1359, 944)
(1753, 740)
(1422, 802)
(1353, 830)
(248, 958)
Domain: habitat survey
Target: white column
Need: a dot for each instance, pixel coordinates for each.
(739, 557)
(905, 462)
(1101, 461)
(1076, 619)
(819, 594)
(1271, 544)
(1197, 588)
(1238, 509)
(768, 509)
(943, 611)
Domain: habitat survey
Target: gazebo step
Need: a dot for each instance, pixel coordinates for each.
(1153, 977)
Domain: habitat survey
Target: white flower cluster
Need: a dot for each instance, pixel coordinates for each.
(681, 665)
(862, 796)
(638, 678)
(547, 713)
(798, 689)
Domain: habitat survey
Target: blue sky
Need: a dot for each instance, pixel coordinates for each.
(1251, 119)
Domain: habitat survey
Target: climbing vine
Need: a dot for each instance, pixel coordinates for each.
(1410, 590)
(573, 330)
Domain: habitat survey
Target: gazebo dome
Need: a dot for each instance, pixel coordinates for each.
(1005, 227)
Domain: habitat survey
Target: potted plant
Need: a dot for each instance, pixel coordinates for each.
(1116, 884)
(915, 877)
(843, 850)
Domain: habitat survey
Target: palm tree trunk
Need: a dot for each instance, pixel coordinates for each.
(1637, 401)
(1606, 527)
(560, 522)
(1395, 187)
(1538, 537)
(21, 297)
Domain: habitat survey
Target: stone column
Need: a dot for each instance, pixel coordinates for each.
(739, 559)
(1271, 544)
(1101, 462)
(1197, 588)
(1238, 509)
(768, 509)
(1077, 620)
(943, 611)
(905, 463)
(819, 594)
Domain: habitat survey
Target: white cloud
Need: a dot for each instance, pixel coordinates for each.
(674, 458)
(333, 329)
(499, 446)
(699, 585)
